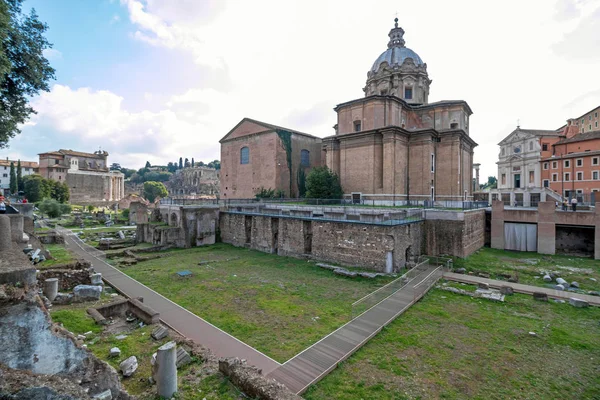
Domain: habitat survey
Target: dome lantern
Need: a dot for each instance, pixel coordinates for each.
(399, 71)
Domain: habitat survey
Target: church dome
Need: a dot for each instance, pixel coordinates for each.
(396, 56)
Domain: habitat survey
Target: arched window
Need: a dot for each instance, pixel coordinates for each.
(305, 158)
(530, 145)
(245, 155)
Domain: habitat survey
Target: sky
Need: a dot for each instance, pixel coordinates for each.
(155, 80)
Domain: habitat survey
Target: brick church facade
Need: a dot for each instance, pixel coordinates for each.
(393, 145)
(390, 146)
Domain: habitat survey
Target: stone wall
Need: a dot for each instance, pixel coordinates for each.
(452, 233)
(365, 245)
(188, 226)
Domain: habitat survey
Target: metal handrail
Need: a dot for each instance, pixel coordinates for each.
(381, 294)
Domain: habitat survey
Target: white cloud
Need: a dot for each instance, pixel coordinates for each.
(52, 54)
(115, 18)
(583, 42)
(290, 62)
(92, 119)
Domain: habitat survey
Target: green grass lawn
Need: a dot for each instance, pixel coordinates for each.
(456, 347)
(529, 265)
(279, 305)
(60, 255)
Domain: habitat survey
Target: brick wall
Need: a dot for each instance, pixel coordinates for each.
(460, 236)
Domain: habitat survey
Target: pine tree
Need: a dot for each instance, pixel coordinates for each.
(19, 176)
(192, 162)
(13, 187)
(180, 163)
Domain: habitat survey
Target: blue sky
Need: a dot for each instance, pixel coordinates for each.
(161, 79)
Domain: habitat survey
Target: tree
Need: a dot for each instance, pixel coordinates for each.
(171, 167)
(115, 166)
(19, 177)
(192, 162)
(201, 163)
(153, 189)
(13, 185)
(36, 188)
(322, 183)
(180, 163)
(187, 163)
(60, 191)
(148, 164)
(216, 164)
(263, 193)
(127, 172)
(53, 208)
(24, 71)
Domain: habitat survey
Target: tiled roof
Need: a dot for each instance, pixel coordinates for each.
(24, 164)
(79, 154)
(580, 137)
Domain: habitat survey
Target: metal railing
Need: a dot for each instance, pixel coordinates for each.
(444, 262)
(376, 297)
(331, 214)
(393, 204)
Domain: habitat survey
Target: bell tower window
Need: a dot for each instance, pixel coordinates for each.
(408, 93)
(357, 126)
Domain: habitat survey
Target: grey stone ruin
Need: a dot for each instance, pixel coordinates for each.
(166, 376)
(87, 292)
(5, 240)
(96, 279)
(121, 235)
(51, 288)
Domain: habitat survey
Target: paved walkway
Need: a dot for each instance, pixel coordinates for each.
(520, 288)
(188, 324)
(317, 361)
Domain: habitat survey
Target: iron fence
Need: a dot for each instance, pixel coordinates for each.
(332, 214)
(362, 202)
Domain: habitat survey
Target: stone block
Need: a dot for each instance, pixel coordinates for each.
(96, 279)
(559, 287)
(106, 395)
(160, 333)
(579, 303)
(540, 296)
(460, 270)
(547, 278)
(369, 275)
(87, 292)
(483, 285)
(327, 266)
(506, 290)
(114, 352)
(344, 272)
(575, 284)
(51, 288)
(561, 281)
(183, 357)
(129, 366)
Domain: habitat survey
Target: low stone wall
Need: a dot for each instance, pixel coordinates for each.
(250, 381)
(121, 307)
(67, 278)
(50, 237)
